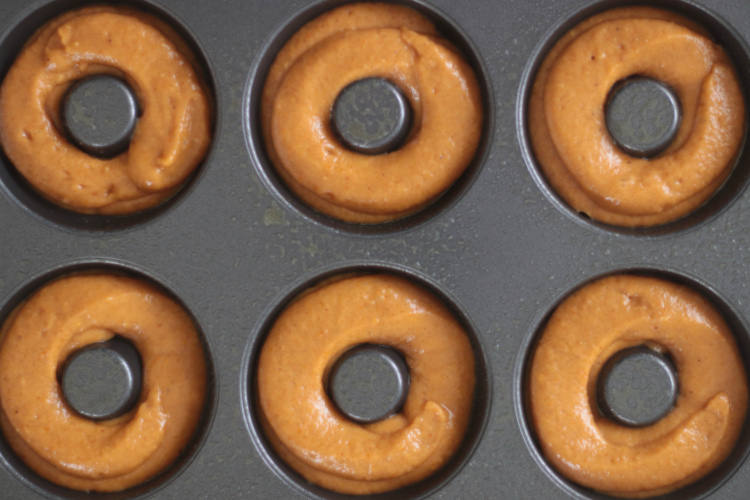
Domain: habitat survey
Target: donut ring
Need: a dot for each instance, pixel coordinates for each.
(568, 128)
(170, 139)
(313, 332)
(73, 451)
(593, 324)
(344, 46)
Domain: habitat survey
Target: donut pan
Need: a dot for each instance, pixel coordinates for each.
(234, 246)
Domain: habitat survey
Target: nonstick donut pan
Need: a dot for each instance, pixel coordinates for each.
(500, 247)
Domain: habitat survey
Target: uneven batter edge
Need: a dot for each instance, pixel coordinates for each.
(170, 139)
(347, 44)
(568, 130)
(308, 337)
(66, 315)
(590, 326)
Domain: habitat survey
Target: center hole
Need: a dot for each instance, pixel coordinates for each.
(99, 115)
(369, 383)
(643, 116)
(372, 116)
(637, 386)
(102, 381)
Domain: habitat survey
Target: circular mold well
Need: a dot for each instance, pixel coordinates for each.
(42, 486)
(702, 488)
(276, 185)
(17, 188)
(250, 403)
(723, 34)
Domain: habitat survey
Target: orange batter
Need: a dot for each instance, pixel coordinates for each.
(568, 129)
(171, 136)
(347, 44)
(593, 324)
(303, 424)
(115, 454)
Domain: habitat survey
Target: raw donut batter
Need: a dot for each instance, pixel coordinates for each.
(348, 44)
(307, 339)
(114, 454)
(593, 324)
(171, 136)
(568, 129)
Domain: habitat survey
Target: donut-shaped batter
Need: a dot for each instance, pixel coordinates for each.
(593, 324)
(71, 450)
(348, 44)
(303, 424)
(170, 139)
(569, 133)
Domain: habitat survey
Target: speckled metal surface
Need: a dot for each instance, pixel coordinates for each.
(504, 251)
